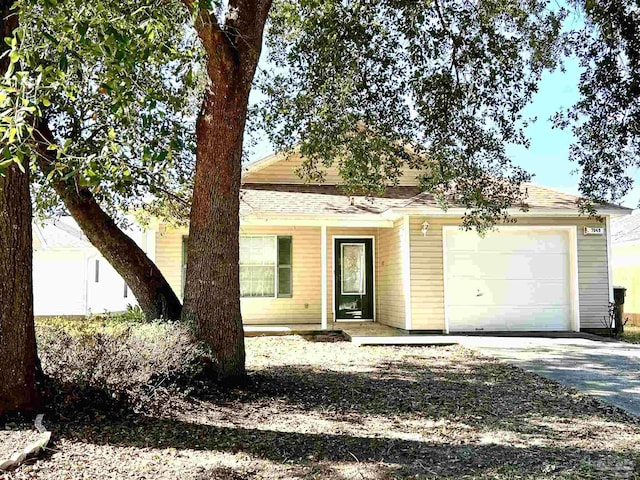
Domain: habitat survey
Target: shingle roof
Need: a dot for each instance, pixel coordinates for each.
(318, 199)
(626, 229)
(329, 199)
(61, 232)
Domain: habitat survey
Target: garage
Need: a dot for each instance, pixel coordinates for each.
(514, 279)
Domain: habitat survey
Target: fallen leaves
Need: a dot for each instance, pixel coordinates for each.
(330, 410)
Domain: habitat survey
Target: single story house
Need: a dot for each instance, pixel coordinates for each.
(70, 277)
(309, 254)
(625, 236)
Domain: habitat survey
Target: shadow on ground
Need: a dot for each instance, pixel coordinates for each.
(430, 417)
(610, 371)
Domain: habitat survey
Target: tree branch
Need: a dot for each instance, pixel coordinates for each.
(454, 53)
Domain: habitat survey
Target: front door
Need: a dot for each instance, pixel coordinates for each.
(353, 278)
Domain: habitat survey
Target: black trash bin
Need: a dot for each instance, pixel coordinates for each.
(618, 298)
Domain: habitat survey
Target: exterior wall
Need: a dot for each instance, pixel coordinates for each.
(305, 304)
(64, 284)
(626, 273)
(283, 172)
(59, 282)
(169, 256)
(427, 284)
(593, 274)
(106, 295)
(390, 300)
(427, 274)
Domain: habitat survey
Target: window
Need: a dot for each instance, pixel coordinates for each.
(352, 268)
(97, 279)
(126, 290)
(285, 278)
(265, 266)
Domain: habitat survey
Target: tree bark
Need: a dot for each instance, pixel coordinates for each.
(19, 364)
(154, 294)
(212, 290)
(18, 357)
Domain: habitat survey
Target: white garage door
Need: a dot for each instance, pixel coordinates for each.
(516, 280)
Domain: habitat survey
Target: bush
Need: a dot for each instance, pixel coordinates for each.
(133, 314)
(132, 363)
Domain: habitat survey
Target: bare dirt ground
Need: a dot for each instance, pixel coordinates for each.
(331, 410)
(15, 437)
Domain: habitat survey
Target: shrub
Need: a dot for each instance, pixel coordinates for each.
(133, 314)
(132, 363)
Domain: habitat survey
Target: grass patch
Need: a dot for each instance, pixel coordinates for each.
(631, 334)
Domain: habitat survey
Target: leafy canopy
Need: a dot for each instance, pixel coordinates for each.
(373, 85)
(117, 81)
(369, 85)
(606, 119)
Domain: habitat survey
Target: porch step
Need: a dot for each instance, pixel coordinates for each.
(277, 330)
(400, 340)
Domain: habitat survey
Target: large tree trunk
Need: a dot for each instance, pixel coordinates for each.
(18, 364)
(212, 290)
(154, 294)
(18, 358)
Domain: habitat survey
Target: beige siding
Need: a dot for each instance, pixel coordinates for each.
(284, 172)
(427, 293)
(390, 301)
(427, 284)
(626, 273)
(169, 256)
(305, 304)
(302, 307)
(593, 271)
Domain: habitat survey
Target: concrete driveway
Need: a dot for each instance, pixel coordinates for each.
(608, 370)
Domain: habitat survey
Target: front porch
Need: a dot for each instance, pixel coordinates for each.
(360, 333)
(374, 333)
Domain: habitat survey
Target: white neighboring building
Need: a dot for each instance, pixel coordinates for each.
(70, 277)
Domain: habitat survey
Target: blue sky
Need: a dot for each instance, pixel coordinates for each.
(548, 155)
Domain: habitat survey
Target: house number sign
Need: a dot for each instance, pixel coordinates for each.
(594, 230)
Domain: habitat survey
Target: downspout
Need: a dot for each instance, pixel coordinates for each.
(89, 256)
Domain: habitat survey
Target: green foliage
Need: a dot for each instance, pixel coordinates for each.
(606, 119)
(631, 334)
(108, 324)
(133, 313)
(438, 85)
(119, 85)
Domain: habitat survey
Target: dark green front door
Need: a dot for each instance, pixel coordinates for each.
(353, 278)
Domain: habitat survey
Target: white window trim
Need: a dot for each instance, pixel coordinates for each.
(275, 266)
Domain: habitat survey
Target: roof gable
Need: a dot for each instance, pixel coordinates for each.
(281, 169)
(272, 185)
